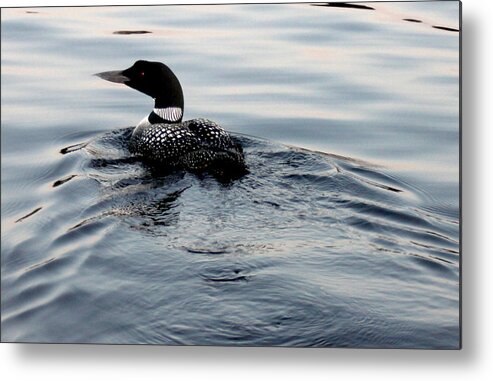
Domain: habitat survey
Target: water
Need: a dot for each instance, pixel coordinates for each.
(344, 234)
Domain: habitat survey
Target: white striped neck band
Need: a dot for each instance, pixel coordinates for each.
(171, 114)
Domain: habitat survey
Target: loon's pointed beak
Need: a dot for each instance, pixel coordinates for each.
(113, 76)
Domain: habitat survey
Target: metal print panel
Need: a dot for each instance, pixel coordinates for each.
(239, 175)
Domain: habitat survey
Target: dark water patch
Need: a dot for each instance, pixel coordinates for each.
(227, 278)
(207, 251)
(270, 203)
(377, 185)
(73, 148)
(63, 181)
(126, 32)
(446, 28)
(345, 5)
(29, 214)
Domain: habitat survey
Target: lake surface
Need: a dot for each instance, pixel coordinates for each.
(345, 233)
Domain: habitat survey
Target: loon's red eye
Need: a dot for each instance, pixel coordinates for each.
(142, 73)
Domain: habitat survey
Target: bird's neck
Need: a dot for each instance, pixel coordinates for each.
(169, 107)
(170, 114)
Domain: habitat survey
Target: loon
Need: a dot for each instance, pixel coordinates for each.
(163, 140)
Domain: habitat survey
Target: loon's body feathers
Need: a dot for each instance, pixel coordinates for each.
(194, 144)
(163, 139)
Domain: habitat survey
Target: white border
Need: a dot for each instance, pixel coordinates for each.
(474, 362)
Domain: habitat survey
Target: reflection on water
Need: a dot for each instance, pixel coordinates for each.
(345, 5)
(344, 233)
(446, 28)
(29, 214)
(131, 32)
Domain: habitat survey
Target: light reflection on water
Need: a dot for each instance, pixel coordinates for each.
(309, 249)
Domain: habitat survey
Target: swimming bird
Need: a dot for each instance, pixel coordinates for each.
(163, 139)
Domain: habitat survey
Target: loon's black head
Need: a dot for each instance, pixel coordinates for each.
(152, 78)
